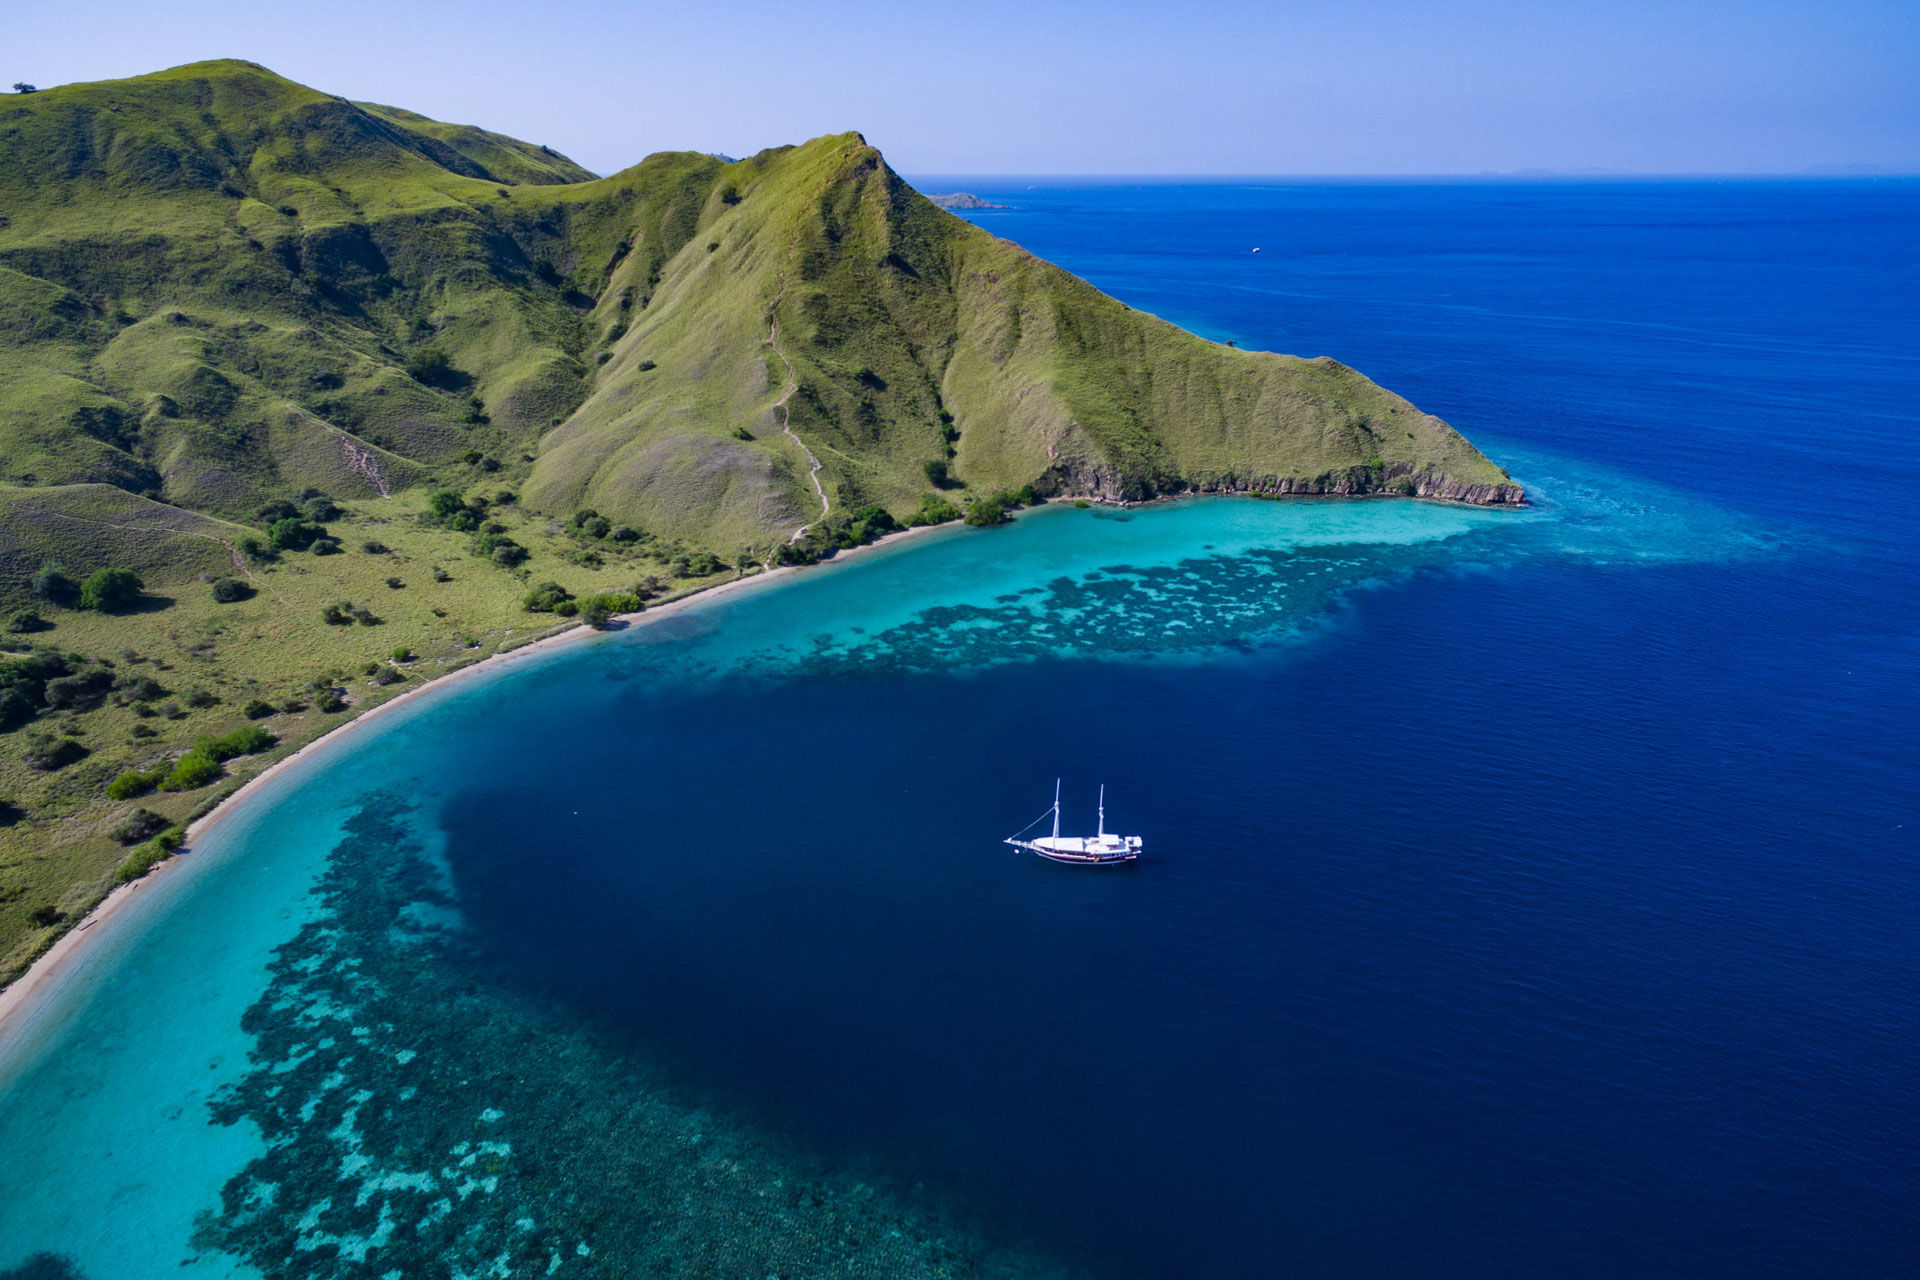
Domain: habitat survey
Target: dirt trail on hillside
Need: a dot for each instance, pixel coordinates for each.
(786, 420)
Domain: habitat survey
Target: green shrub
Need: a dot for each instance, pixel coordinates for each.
(200, 699)
(133, 783)
(47, 753)
(429, 365)
(937, 475)
(934, 509)
(244, 741)
(81, 691)
(329, 701)
(141, 824)
(695, 564)
(257, 709)
(545, 598)
(337, 614)
(230, 590)
(193, 770)
(403, 654)
(597, 610)
(110, 590)
(150, 855)
(51, 583)
(987, 512)
(25, 621)
(292, 534)
(374, 547)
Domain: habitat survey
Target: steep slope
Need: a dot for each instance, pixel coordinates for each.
(912, 336)
(217, 287)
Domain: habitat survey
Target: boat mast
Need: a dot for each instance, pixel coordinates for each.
(1103, 809)
(1056, 808)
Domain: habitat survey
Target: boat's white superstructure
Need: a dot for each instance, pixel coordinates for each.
(1100, 849)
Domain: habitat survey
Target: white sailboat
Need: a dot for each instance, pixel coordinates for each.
(1097, 850)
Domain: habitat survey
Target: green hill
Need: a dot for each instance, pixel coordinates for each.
(213, 282)
(360, 397)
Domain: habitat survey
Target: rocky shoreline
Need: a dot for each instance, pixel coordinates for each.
(1393, 480)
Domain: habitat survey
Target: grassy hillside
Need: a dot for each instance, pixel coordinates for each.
(327, 357)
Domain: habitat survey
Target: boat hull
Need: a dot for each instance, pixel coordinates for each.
(1126, 853)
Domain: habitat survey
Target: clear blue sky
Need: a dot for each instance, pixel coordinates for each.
(1125, 86)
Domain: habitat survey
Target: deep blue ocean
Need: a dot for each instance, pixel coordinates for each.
(1524, 893)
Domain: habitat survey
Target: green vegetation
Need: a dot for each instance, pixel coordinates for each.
(110, 590)
(246, 325)
(600, 608)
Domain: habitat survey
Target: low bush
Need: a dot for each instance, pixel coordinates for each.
(987, 512)
(26, 621)
(429, 365)
(374, 547)
(191, 771)
(141, 824)
(934, 509)
(244, 741)
(150, 855)
(51, 583)
(597, 610)
(134, 782)
(132, 689)
(47, 753)
(545, 598)
(81, 691)
(695, 564)
(257, 709)
(337, 614)
(230, 590)
(293, 534)
(110, 590)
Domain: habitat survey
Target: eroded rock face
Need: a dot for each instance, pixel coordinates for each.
(1098, 480)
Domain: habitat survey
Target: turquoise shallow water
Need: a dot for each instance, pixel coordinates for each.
(105, 1113)
(1527, 893)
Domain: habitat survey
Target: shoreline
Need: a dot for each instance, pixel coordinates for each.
(54, 969)
(34, 991)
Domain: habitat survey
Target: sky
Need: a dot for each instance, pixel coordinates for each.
(1320, 87)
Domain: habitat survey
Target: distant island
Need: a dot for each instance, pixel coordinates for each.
(308, 401)
(965, 200)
